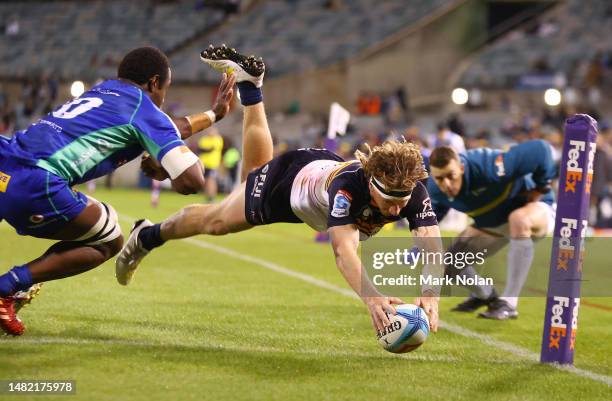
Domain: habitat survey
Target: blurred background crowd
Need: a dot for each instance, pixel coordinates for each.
(465, 73)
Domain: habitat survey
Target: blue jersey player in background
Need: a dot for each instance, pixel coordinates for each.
(83, 139)
(508, 195)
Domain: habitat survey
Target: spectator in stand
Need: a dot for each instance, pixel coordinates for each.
(446, 137)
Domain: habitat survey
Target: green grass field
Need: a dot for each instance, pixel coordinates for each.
(219, 319)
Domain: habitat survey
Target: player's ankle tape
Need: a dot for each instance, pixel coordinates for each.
(249, 93)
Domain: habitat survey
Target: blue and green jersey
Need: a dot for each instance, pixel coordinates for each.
(94, 134)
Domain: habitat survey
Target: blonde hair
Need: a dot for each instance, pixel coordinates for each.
(397, 165)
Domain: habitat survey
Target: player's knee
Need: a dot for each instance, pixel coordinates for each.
(216, 226)
(520, 224)
(115, 246)
(109, 249)
(105, 235)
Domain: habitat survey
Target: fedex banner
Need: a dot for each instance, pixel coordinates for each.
(563, 296)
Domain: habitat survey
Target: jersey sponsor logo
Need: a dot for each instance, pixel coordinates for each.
(4, 181)
(104, 145)
(427, 210)
(85, 156)
(499, 165)
(342, 204)
(260, 180)
(51, 124)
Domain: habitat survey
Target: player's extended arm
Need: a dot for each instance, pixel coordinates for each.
(195, 123)
(345, 241)
(428, 239)
(190, 181)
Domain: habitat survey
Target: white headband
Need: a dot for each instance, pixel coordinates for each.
(391, 194)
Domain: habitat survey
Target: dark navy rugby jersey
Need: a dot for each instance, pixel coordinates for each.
(350, 203)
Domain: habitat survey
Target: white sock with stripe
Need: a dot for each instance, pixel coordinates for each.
(520, 256)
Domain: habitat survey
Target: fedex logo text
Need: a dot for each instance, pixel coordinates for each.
(589, 180)
(574, 171)
(566, 247)
(574, 323)
(558, 329)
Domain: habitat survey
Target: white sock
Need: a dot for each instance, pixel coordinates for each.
(520, 256)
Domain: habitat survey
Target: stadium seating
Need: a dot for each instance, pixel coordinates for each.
(561, 48)
(85, 39)
(295, 36)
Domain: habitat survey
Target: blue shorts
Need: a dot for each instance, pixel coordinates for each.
(34, 201)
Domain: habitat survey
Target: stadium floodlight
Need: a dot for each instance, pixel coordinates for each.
(77, 88)
(460, 96)
(552, 97)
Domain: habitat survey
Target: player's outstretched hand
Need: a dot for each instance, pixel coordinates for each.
(379, 307)
(151, 168)
(430, 305)
(224, 97)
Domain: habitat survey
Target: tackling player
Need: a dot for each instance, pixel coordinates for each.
(351, 200)
(83, 139)
(508, 195)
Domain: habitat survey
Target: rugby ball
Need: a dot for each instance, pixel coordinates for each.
(409, 329)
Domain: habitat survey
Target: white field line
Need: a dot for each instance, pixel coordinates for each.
(453, 328)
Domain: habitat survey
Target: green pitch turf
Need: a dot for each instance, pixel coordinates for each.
(197, 324)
